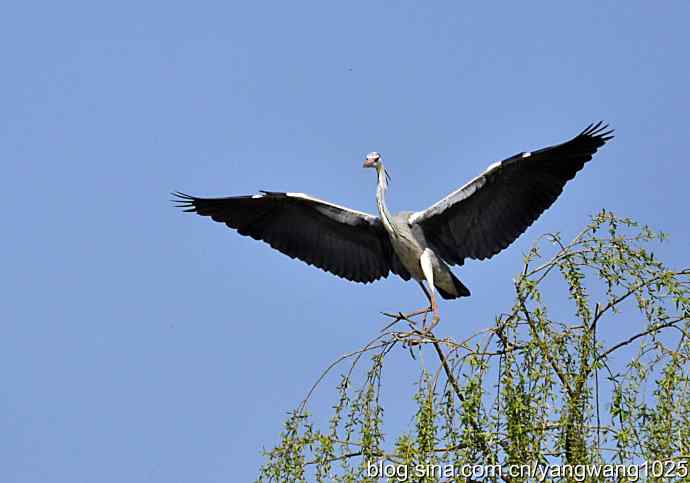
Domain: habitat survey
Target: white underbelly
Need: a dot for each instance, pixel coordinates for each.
(410, 255)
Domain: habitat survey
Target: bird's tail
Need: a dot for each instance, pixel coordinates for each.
(460, 289)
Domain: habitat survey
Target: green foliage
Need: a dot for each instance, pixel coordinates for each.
(532, 388)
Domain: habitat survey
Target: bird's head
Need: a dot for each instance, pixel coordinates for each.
(372, 160)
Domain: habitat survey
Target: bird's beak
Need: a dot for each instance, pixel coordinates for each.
(368, 163)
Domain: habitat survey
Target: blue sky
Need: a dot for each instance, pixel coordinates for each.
(141, 344)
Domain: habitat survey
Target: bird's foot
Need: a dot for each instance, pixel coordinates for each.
(424, 317)
(434, 322)
(434, 319)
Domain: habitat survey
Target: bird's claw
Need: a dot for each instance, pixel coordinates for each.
(434, 322)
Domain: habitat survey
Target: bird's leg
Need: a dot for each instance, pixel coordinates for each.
(434, 307)
(427, 268)
(428, 297)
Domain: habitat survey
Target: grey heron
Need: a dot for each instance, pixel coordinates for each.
(476, 221)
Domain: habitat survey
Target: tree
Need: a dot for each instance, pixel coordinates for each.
(530, 389)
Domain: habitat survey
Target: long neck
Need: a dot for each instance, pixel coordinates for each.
(380, 199)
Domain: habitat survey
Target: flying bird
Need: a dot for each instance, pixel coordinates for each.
(475, 221)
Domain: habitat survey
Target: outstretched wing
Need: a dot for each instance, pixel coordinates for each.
(344, 242)
(491, 211)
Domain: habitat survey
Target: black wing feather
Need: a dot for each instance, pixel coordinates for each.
(490, 212)
(333, 239)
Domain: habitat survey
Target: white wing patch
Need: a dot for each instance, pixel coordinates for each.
(492, 166)
(462, 193)
(313, 199)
